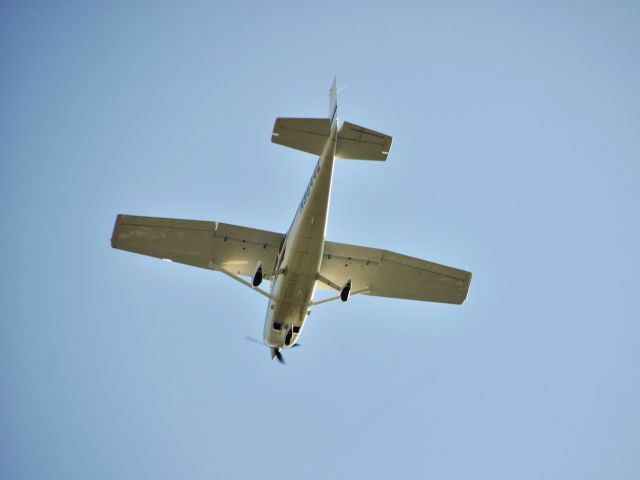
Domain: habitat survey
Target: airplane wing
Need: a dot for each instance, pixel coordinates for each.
(198, 243)
(390, 274)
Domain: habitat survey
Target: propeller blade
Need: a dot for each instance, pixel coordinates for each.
(275, 352)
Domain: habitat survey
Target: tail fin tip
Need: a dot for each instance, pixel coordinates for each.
(333, 101)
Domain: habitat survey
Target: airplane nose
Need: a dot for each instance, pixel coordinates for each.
(287, 338)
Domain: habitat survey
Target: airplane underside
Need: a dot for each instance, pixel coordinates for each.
(300, 260)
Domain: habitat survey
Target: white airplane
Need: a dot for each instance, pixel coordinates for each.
(300, 260)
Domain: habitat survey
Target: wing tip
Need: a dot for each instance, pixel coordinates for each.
(469, 276)
(116, 228)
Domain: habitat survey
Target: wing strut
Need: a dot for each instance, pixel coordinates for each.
(215, 266)
(328, 282)
(339, 297)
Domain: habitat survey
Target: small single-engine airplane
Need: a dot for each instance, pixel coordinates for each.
(301, 259)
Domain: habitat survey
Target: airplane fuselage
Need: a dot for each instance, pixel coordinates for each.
(300, 256)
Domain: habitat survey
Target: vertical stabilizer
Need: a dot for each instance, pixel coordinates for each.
(333, 102)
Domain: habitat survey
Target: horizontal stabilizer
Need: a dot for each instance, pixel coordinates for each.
(305, 134)
(359, 143)
(310, 135)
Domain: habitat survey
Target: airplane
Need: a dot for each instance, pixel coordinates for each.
(300, 260)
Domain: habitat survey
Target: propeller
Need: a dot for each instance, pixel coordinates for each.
(275, 352)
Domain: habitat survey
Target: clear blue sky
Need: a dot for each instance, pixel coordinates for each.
(516, 155)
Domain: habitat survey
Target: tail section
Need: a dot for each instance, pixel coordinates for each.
(311, 134)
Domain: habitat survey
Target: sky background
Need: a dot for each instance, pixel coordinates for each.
(516, 155)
